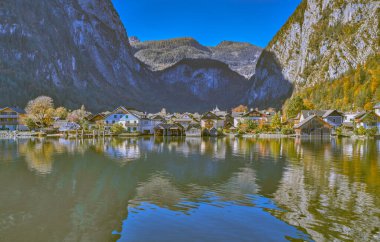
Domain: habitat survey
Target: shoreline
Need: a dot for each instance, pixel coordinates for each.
(30, 135)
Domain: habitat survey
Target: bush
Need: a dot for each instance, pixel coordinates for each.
(117, 129)
(371, 132)
(339, 131)
(286, 130)
(205, 132)
(360, 131)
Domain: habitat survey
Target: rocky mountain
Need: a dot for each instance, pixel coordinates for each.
(78, 52)
(320, 42)
(159, 55)
(211, 81)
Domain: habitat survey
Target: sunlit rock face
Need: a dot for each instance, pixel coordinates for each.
(322, 40)
(159, 55)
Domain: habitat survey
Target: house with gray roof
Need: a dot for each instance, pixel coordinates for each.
(333, 117)
(313, 125)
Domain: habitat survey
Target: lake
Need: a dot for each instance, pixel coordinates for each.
(189, 189)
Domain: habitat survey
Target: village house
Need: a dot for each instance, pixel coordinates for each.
(253, 115)
(184, 119)
(65, 126)
(148, 124)
(11, 119)
(349, 120)
(219, 113)
(368, 120)
(209, 120)
(96, 120)
(130, 119)
(377, 109)
(193, 130)
(169, 129)
(313, 125)
(333, 117)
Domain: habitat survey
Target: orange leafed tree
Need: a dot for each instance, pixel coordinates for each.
(240, 108)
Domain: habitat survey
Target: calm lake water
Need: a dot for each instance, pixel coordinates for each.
(189, 189)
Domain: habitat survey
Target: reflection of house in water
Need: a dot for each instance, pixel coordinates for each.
(214, 147)
(241, 184)
(122, 150)
(9, 151)
(158, 190)
(194, 130)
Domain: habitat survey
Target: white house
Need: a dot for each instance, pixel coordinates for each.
(368, 120)
(147, 125)
(133, 120)
(377, 109)
(129, 119)
(218, 112)
(184, 119)
(350, 117)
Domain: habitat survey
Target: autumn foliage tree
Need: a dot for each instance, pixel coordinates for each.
(240, 109)
(61, 113)
(293, 106)
(78, 115)
(40, 112)
(358, 89)
(276, 122)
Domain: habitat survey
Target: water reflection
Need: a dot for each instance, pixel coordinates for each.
(325, 189)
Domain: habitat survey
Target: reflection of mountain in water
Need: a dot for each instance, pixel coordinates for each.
(333, 192)
(89, 184)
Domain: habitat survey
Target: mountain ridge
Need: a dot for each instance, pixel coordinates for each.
(161, 54)
(320, 42)
(78, 52)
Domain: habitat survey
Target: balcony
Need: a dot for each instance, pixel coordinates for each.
(131, 125)
(8, 116)
(8, 123)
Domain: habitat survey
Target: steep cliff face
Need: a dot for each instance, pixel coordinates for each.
(200, 84)
(76, 51)
(159, 55)
(322, 40)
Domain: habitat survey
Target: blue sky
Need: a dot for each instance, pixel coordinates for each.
(208, 21)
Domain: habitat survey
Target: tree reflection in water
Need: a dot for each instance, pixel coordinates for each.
(328, 189)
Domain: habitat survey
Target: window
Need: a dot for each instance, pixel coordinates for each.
(126, 116)
(113, 121)
(115, 116)
(134, 129)
(107, 122)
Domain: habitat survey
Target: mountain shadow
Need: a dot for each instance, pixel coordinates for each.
(270, 87)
